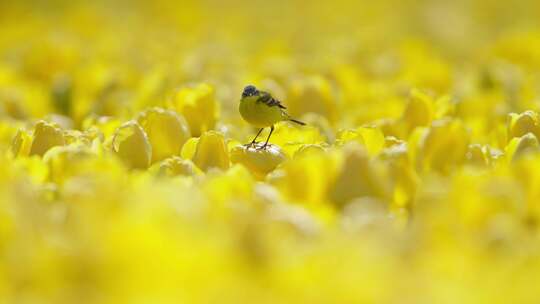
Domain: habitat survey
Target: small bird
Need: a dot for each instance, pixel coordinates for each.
(262, 110)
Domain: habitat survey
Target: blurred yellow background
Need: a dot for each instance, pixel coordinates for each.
(124, 180)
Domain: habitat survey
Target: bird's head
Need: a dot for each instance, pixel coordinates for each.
(249, 90)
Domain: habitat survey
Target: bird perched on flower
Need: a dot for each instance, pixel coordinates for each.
(262, 110)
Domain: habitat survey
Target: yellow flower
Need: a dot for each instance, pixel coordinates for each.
(127, 181)
(166, 130)
(259, 162)
(104, 124)
(479, 155)
(66, 161)
(372, 138)
(21, 144)
(306, 178)
(419, 111)
(520, 146)
(229, 191)
(359, 177)
(444, 146)
(521, 124)
(175, 166)
(131, 144)
(211, 152)
(401, 171)
(198, 105)
(309, 149)
(46, 135)
(290, 138)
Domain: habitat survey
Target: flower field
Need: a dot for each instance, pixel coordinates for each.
(124, 175)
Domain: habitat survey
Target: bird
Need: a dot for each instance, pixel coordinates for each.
(262, 110)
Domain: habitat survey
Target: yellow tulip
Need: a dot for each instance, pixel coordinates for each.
(167, 132)
(444, 146)
(403, 175)
(372, 138)
(21, 144)
(228, 191)
(46, 135)
(211, 152)
(104, 124)
(306, 178)
(65, 162)
(175, 166)
(419, 111)
(290, 138)
(309, 149)
(520, 146)
(124, 179)
(359, 177)
(131, 144)
(199, 107)
(479, 155)
(521, 124)
(259, 162)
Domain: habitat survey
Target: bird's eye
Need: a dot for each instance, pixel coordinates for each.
(249, 90)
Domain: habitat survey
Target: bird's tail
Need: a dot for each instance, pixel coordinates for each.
(297, 121)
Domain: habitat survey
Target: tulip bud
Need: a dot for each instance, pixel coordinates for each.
(131, 144)
(166, 131)
(520, 146)
(105, 124)
(198, 105)
(211, 151)
(309, 149)
(46, 135)
(74, 136)
(65, 161)
(371, 138)
(359, 177)
(444, 146)
(404, 177)
(291, 138)
(21, 144)
(307, 177)
(233, 187)
(419, 110)
(175, 166)
(521, 124)
(260, 162)
(478, 155)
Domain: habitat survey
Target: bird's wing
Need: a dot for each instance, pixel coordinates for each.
(266, 98)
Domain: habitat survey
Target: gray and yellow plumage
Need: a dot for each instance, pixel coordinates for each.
(261, 110)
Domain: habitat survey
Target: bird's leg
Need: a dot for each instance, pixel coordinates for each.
(266, 143)
(253, 141)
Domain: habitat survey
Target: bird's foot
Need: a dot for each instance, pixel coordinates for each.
(251, 144)
(263, 147)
